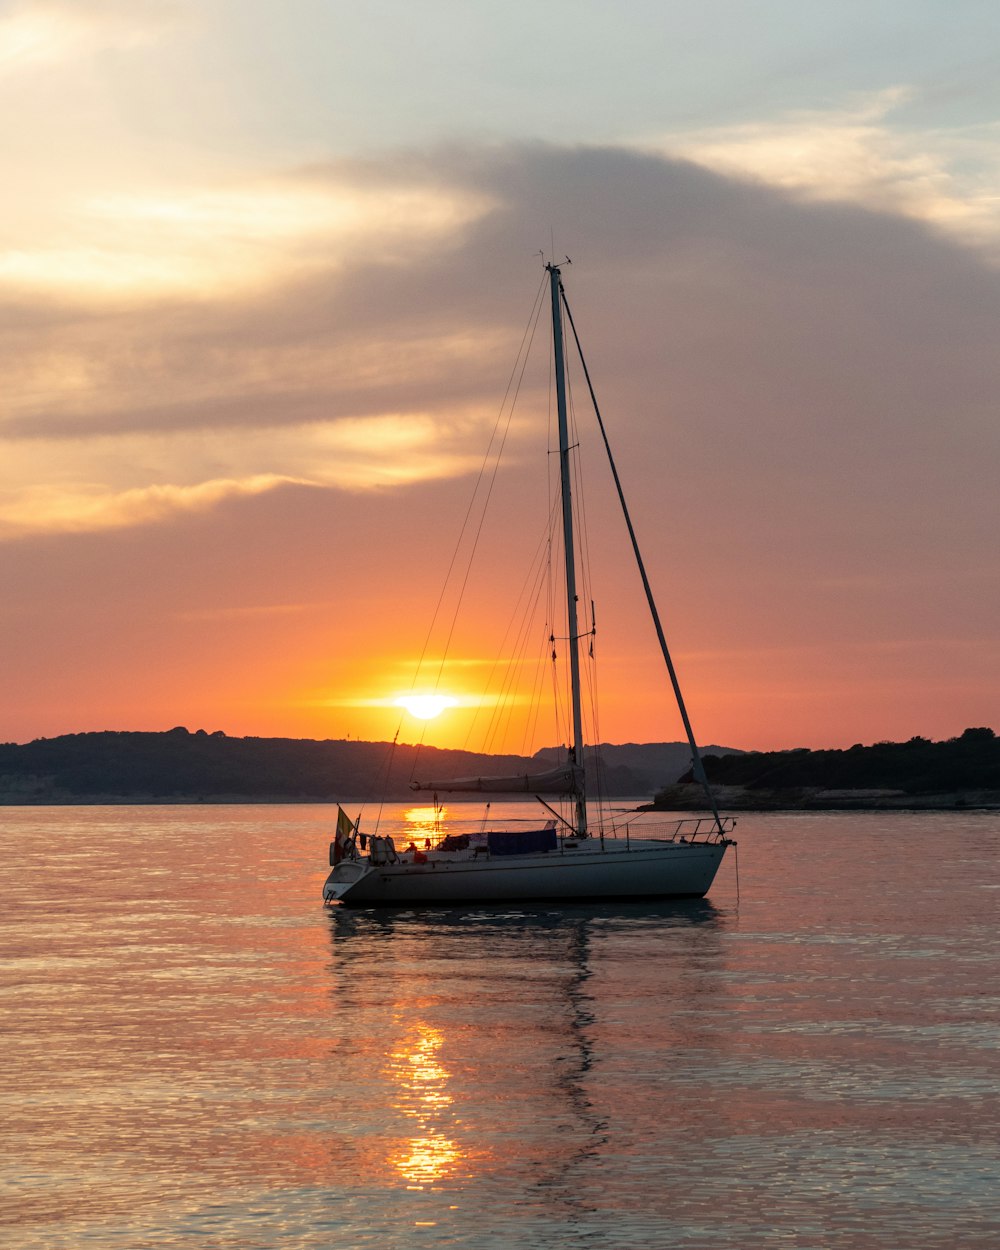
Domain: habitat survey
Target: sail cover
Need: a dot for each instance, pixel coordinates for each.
(563, 780)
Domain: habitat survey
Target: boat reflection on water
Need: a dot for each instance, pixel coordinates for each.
(475, 1040)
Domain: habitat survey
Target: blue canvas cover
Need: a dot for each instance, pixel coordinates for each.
(530, 842)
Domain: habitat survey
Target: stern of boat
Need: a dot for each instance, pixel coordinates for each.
(347, 874)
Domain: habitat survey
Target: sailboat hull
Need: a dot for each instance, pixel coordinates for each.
(665, 870)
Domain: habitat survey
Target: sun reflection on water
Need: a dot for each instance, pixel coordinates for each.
(424, 822)
(421, 1081)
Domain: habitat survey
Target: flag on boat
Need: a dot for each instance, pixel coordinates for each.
(339, 845)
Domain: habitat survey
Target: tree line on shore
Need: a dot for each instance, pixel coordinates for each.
(918, 767)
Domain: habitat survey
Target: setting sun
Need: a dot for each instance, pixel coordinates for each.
(426, 706)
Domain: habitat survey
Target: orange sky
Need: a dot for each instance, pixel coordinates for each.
(249, 374)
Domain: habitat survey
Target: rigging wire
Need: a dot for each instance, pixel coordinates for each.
(529, 736)
(504, 708)
(699, 768)
(524, 612)
(380, 783)
(491, 482)
(513, 383)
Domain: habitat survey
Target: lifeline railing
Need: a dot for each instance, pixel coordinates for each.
(686, 829)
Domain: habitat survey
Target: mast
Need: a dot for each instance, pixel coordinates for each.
(576, 750)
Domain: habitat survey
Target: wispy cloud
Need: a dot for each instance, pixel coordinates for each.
(35, 33)
(79, 495)
(215, 242)
(230, 308)
(394, 700)
(49, 509)
(861, 152)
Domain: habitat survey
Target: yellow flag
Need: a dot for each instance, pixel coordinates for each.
(344, 826)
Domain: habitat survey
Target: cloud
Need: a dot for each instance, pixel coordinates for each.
(281, 343)
(394, 700)
(946, 177)
(834, 367)
(352, 455)
(212, 243)
(46, 509)
(41, 33)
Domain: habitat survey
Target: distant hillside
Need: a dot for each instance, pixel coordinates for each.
(179, 766)
(962, 771)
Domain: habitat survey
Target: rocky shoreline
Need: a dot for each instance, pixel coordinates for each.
(691, 798)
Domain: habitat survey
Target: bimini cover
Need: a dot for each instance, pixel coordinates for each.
(530, 842)
(556, 781)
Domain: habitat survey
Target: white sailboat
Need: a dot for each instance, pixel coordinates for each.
(562, 858)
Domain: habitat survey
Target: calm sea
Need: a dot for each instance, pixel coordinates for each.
(196, 1054)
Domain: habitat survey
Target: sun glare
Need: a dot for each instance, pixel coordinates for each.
(425, 706)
